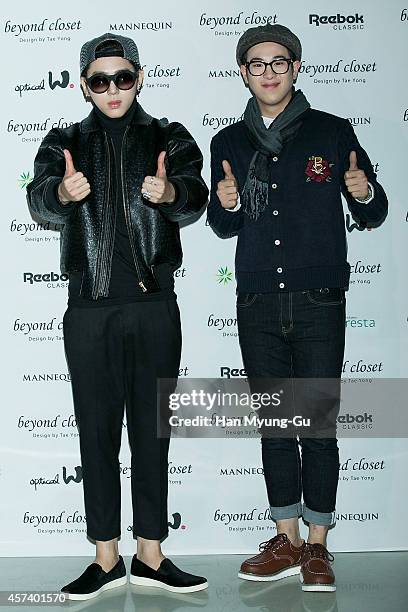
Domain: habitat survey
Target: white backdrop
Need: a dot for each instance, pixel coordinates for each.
(354, 68)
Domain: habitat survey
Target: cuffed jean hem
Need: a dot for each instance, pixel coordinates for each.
(279, 513)
(326, 519)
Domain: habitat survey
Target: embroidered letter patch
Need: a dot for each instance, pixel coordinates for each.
(318, 169)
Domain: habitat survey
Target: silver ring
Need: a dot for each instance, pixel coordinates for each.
(146, 194)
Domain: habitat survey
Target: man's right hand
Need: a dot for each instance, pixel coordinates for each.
(227, 190)
(74, 186)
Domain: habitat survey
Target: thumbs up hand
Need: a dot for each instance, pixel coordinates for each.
(227, 190)
(157, 189)
(355, 179)
(74, 187)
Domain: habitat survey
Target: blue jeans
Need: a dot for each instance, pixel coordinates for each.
(296, 334)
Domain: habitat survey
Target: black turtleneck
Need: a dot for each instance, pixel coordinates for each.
(123, 286)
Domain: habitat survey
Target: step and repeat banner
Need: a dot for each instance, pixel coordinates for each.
(353, 66)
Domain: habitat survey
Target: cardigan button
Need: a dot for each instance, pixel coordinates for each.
(279, 270)
(274, 185)
(275, 212)
(281, 285)
(274, 158)
(277, 242)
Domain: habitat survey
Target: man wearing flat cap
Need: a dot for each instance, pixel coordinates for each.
(120, 181)
(276, 182)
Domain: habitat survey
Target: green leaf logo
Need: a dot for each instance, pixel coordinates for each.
(224, 276)
(24, 179)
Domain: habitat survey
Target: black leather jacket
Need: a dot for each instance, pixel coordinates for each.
(89, 226)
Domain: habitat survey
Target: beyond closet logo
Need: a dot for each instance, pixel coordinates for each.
(217, 122)
(160, 71)
(161, 76)
(33, 131)
(363, 273)
(248, 520)
(362, 465)
(227, 326)
(46, 25)
(345, 66)
(36, 231)
(173, 469)
(338, 21)
(39, 331)
(361, 367)
(37, 426)
(343, 72)
(26, 327)
(46, 523)
(218, 22)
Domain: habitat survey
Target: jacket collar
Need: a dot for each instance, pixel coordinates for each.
(91, 123)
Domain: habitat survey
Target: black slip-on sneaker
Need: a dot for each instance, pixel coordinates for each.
(168, 577)
(95, 580)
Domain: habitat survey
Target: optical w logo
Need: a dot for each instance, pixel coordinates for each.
(176, 524)
(352, 226)
(62, 83)
(176, 521)
(67, 478)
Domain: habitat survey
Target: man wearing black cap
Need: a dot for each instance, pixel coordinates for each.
(277, 179)
(120, 181)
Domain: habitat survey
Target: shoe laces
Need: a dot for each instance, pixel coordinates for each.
(319, 551)
(274, 543)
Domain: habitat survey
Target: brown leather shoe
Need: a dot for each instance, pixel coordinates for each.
(316, 573)
(277, 559)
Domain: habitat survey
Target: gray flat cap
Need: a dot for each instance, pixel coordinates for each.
(268, 33)
(88, 51)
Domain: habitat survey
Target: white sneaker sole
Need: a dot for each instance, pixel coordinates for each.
(316, 588)
(290, 571)
(84, 596)
(150, 582)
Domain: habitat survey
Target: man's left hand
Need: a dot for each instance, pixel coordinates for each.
(355, 179)
(157, 189)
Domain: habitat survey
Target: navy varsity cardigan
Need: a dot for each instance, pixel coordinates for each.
(299, 241)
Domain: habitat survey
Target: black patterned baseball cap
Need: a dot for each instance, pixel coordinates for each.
(89, 53)
(276, 33)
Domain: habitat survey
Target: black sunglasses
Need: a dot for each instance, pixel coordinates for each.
(100, 83)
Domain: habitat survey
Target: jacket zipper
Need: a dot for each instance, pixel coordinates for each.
(141, 283)
(100, 247)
